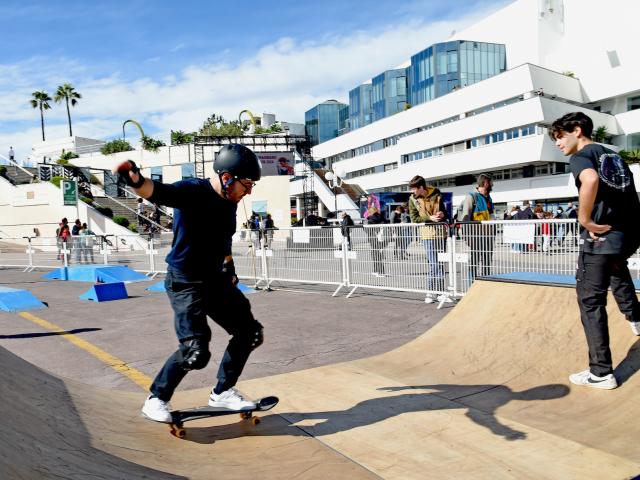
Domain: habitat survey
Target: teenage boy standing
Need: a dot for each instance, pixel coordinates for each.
(608, 216)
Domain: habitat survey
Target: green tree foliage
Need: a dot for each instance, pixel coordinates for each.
(124, 221)
(115, 146)
(630, 156)
(67, 93)
(65, 157)
(600, 134)
(151, 144)
(56, 181)
(40, 100)
(275, 128)
(179, 137)
(217, 126)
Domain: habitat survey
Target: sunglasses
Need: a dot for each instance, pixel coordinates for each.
(247, 184)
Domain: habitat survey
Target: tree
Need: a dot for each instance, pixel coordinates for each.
(217, 126)
(600, 135)
(115, 146)
(179, 137)
(67, 93)
(41, 100)
(151, 144)
(630, 156)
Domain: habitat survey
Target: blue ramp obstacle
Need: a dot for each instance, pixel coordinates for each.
(543, 278)
(159, 287)
(96, 273)
(104, 292)
(14, 300)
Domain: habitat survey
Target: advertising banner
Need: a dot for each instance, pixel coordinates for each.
(276, 163)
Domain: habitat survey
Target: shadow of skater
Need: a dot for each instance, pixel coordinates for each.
(484, 413)
(629, 365)
(374, 410)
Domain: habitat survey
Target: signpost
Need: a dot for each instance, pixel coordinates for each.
(69, 193)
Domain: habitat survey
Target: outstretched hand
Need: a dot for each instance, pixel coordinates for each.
(130, 173)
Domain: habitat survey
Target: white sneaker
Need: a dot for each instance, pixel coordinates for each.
(586, 378)
(157, 410)
(635, 327)
(429, 299)
(231, 399)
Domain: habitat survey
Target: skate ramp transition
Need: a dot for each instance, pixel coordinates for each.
(483, 394)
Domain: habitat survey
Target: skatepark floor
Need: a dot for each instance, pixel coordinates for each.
(376, 386)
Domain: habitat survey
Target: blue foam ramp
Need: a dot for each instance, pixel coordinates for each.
(159, 287)
(156, 287)
(104, 292)
(96, 273)
(15, 300)
(544, 278)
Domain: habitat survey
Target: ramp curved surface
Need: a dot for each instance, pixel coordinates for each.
(483, 394)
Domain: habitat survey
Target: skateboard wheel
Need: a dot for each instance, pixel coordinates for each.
(255, 421)
(178, 432)
(245, 415)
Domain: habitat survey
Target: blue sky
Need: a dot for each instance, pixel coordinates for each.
(171, 64)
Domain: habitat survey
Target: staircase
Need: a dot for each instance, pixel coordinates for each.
(119, 210)
(17, 176)
(346, 196)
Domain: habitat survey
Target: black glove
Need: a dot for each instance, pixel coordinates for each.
(130, 166)
(229, 270)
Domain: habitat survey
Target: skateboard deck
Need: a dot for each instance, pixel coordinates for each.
(178, 417)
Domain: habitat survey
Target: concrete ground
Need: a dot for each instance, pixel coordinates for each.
(304, 327)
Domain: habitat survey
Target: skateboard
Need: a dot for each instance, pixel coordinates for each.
(178, 417)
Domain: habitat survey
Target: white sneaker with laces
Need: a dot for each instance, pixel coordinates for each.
(157, 410)
(429, 299)
(588, 379)
(231, 399)
(635, 327)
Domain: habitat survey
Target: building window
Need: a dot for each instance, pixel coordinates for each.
(633, 103)
(156, 174)
(188, 170)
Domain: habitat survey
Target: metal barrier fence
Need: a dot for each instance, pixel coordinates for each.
(439, 261)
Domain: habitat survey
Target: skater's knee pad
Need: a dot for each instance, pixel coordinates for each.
(196, 355)
(257, 336)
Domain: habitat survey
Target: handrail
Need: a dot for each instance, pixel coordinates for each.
(14, 163)
(127, 207)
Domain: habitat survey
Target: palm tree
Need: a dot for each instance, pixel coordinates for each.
(41, 100)
(68, 93)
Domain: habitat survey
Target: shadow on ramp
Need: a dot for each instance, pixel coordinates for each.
(376, 410)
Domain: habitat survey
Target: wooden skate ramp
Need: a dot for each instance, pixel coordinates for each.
(55, 428)
(483, 394)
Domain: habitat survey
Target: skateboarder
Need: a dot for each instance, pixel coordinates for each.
(201, 279)
(608, 216)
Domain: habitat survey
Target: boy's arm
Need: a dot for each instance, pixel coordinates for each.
(413, 212)
(467, 208)
(131, 173)
(587, 196)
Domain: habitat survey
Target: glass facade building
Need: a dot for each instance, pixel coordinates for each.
(444, 67)
(389, 93)
(323, 121)
(360, 113)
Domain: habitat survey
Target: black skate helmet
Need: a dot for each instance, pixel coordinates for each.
(239, 161)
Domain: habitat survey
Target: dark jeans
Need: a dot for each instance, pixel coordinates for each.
(193, 300)
(594, 276)
(481, 249)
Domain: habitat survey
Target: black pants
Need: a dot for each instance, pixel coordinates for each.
(594, 276)
(192, 301)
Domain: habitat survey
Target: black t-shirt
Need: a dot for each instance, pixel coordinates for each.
(616, 202)
(203, 225)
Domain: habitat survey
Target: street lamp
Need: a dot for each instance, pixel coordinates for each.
(335, 180)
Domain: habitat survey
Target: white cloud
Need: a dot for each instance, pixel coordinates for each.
(285, 77)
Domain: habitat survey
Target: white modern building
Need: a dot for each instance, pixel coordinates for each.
(562, 56)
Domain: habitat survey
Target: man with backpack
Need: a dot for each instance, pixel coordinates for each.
(477, 207)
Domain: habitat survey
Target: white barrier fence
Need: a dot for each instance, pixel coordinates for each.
(439, 261)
